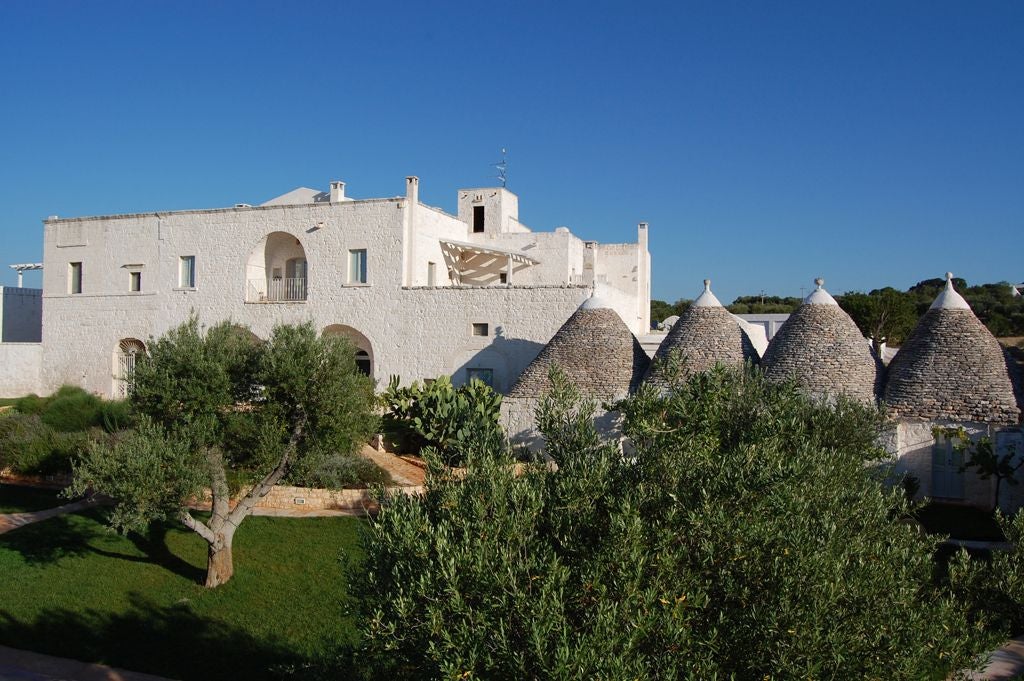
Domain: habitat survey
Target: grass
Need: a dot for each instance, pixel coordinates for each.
(72, 588)
(960, 522)
(16, 499)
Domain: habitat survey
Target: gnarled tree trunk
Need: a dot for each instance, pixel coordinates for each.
(219, 564)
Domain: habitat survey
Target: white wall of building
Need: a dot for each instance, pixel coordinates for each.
(410, 329)
(20, 366)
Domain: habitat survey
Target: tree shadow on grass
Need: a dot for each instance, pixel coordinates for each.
(153, 546)
(80, 534)
(169, 641)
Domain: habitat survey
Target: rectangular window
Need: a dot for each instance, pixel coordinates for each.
(485, 375)
(431, 274)
(478, 219)
(75, 277)
(480, 329)
(503, 277)
(187, 272)
(357, 266)
(135, 281)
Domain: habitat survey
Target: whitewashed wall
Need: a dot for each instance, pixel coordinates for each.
(20, 365)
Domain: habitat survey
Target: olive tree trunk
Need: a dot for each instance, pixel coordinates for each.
(219, 532)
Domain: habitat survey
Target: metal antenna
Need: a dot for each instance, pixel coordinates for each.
(502, 167)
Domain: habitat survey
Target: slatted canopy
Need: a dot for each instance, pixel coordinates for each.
(476, 264)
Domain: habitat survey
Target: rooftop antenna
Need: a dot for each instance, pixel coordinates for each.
(502, 167)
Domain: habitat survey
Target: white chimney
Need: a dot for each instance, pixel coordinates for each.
(337, 191)
(412, 189)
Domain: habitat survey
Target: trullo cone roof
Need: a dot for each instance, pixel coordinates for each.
(951, 367)
(704, 335)
(823, 350)
(595, 349)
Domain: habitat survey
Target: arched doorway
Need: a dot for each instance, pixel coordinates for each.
(128, 349)
(364, 350)
(277, 270)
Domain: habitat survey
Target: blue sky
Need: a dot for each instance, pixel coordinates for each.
(872, 143)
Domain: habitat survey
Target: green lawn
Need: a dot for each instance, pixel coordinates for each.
(16, 499)
(72, 588)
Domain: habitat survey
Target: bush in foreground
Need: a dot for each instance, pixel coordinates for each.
(745, 538)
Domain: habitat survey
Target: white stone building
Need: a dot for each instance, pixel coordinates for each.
(419, 291)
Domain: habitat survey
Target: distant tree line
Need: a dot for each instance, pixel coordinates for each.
(887, 313)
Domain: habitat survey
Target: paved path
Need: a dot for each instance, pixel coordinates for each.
(12, 521)
(1004, 663)
(401, 471)
(21, 665)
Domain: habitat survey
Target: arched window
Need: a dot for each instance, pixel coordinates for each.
(124, 365)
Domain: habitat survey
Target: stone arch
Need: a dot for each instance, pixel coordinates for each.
(277, 270)
(364, 349)
(125, 354)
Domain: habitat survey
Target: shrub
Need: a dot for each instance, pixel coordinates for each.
(337, 471)
(72, 409)
(440, 416)
(743, 537)
(115, 415)
(31, 404)
(30, 447)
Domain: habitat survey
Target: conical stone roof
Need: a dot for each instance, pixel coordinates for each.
(823, 350)
(597, 352)
(951, 367)
(705, 334)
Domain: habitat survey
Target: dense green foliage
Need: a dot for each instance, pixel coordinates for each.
(74, 589)
(764, 305)
(660, 310)
(440, 416)
(43, 435)
(72, 409)
(743, 537)
(892, 314)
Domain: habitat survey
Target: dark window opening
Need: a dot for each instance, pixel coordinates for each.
(480, 329)
(478, 219)
(485, 375)
(135, 281)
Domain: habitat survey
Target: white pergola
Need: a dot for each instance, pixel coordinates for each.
(477, 265)
(24, 267)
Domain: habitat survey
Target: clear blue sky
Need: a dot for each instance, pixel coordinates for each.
(873, 143)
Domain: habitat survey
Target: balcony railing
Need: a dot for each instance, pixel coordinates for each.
(276, 290)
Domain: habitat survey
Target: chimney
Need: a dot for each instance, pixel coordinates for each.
(641, 234)
(412, 189)
(337, 191)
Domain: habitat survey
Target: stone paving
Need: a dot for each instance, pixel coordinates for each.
(22, 665)
(12, 521)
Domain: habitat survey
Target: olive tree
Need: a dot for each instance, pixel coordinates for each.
(220, 410)
(744, 532)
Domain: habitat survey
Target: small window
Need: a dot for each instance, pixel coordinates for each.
(431, 274)
(357, 266)
(503, 277)
(135, 281)
(187, 272)
(75, 277)
(485, 375)
(480, 329)
(478, 219)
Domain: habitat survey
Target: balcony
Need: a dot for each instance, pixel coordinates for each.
(292, 290)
